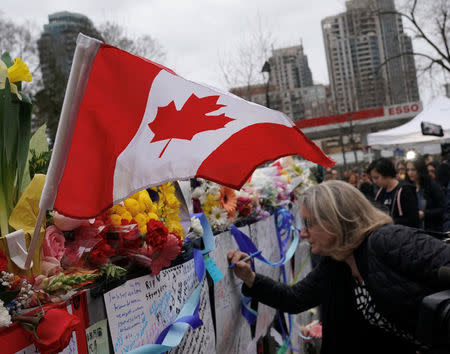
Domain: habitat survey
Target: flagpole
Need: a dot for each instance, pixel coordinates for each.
(84, 56)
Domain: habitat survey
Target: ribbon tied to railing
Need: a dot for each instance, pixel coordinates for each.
(172, 335)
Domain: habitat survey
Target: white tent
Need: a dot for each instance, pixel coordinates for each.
(410, 134)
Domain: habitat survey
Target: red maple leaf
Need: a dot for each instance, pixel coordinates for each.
(191, 119)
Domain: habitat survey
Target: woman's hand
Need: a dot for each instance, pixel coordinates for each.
(242, 269)
(421, 214)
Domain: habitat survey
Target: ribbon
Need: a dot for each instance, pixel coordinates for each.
(284, 222)
(208, 236)
(172, 335)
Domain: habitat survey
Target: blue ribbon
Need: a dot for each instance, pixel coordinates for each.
(172, 335)
(284, 222)
(208, 236)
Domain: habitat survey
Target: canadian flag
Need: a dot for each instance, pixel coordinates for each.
(128, 123)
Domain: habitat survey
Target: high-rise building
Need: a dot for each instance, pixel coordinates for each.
(364, 55)
(56, 48)
(57, 43)
(290, 88)
(289, 68)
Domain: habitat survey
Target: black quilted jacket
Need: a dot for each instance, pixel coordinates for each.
(399, 266)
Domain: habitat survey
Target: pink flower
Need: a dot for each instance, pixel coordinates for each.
(164, 257)
(53, 245)
(50, 266)
(316, 331)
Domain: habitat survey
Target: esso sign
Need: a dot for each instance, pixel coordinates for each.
(403, 109)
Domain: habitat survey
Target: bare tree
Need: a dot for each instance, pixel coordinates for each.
(429, 24)
(242, 63)
(145, 46)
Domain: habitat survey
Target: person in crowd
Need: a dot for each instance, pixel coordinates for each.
(428, 158)
(371, 280)
(397, 198)
(431, 199)
(401, 169)
(432, 169)
(353, 179)
(335, 174)
(367, 187)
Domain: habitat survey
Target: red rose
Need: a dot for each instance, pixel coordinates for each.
(55, 330)
(156, 235)
(101, 253)
(3, 261)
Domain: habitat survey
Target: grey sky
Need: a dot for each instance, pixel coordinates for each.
(193, 33)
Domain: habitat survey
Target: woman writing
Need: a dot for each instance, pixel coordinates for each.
(370, 282)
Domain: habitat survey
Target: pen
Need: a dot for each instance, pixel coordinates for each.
(231, 266)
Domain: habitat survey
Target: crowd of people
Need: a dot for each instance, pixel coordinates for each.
(414, 193)
(378, 259)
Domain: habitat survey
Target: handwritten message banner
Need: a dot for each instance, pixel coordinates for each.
(202, 339)
(265, 235)
(140, 309)
(232, 330)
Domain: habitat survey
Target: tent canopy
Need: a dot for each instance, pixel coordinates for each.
(410, 134)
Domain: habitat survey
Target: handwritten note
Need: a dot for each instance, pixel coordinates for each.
(266, 237)
(141, 308)
(97, 338)
(232, 330)
(202, 339)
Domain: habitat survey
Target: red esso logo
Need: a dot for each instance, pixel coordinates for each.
(403, 109)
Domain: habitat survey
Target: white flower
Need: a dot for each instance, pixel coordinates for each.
(218, 218)
(198, 192)
(214, 188)
(196, 226)
(5, 318)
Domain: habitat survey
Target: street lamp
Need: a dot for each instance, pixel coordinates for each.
(266, 69)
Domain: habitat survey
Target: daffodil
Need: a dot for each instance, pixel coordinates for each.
(19, 71)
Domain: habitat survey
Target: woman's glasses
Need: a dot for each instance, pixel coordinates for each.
(308, 223)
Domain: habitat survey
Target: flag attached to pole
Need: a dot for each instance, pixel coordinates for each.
(135, 124)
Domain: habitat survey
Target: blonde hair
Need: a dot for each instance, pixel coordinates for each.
(342, 210)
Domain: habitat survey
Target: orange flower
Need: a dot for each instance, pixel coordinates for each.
(228, 201)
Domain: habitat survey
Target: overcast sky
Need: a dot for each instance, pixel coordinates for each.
(195, 32)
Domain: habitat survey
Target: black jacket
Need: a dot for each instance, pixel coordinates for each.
(435, 206)
(404, 209)
(399, 266)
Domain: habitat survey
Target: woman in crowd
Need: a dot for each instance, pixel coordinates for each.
(401, 169)
(371, 280)
(431, 199)
(397, 198)
(432, 167)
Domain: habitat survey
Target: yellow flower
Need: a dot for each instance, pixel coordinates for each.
(19, 71)
(142, 229)
(117, 209)
(116, 220)
(210, 202)
(126, 215)
(153, 216)
(141, 218)
(145, 199)
(132, 205)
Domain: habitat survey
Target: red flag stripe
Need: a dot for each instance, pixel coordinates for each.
(253, 146)
(98, 142)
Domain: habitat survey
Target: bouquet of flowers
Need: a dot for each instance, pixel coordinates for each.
(217, 202)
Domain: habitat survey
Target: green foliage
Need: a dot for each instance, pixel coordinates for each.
(39, 162)
(15, 131)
